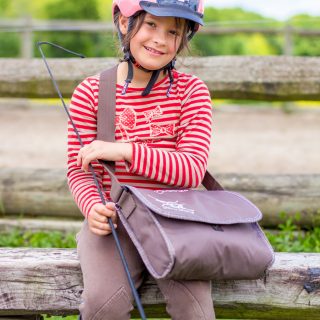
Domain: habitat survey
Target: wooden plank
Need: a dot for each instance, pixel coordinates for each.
(44, 192)
(49, 281)
(231, 77)
(39, 224)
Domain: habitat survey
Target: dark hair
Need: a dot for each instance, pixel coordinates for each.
(137, 21)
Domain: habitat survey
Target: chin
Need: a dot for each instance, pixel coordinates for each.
(152, 66)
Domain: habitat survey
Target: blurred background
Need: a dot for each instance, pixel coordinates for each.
(233, 27)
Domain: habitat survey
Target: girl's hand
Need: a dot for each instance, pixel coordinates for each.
(110, 151)
(98, 218)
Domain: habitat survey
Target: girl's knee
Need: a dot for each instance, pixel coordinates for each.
(189, 300)
(96, 306)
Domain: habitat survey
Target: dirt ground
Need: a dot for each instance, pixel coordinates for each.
(245, 139)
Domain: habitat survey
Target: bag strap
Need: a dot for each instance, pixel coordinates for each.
(106, 120)
(107, 104)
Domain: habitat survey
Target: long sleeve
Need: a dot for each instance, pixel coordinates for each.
(186, 165)
(82, 110)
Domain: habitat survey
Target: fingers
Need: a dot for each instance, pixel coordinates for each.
(103, 226)
(91, 151)
(98, 218)
(103, 150)
(99, 232)
(85, 156)
(107, 210)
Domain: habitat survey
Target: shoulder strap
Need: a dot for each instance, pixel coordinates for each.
(106, 112)
(106, 119)
(106, 104)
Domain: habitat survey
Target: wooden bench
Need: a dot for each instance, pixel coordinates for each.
(49, 281)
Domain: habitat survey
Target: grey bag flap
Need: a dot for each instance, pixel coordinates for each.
(213, 207)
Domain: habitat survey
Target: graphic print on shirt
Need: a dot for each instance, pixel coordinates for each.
(165, 130)
(126, 120)
(151, 114)
(158, 130)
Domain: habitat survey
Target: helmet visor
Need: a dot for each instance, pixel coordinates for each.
(186, 9)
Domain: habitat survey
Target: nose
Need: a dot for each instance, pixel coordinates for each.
(160, 37)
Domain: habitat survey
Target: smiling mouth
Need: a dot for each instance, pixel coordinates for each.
(153, 50)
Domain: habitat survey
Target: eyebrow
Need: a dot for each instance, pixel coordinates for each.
(176, 26)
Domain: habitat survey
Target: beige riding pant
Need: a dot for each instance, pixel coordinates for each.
(107, 294)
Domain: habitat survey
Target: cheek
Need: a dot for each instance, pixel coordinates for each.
(174, 45)
(141, 36)
(134, 45)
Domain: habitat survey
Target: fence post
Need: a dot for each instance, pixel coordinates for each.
(288, 40)
(26, 37)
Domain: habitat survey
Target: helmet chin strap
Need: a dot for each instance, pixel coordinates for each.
(155, 74)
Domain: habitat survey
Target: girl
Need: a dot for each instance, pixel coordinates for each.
(163, 129)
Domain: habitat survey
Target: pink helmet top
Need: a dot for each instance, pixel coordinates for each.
(187, 9)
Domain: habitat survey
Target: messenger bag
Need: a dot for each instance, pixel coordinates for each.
(185, 234)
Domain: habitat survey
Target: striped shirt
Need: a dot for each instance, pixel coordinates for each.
(170, 136)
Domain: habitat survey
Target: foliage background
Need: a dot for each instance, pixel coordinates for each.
(103, 44)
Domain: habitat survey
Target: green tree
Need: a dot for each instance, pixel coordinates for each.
(10, 45)
(88, 43)
(306, 46)
(257, 44)
(4, 4)
(232, 15)
(104, 8)
(82, 9)
(236, 44)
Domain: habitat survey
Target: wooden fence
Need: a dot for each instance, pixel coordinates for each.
(48, 281)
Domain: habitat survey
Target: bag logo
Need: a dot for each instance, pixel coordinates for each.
(162, 191)
(173, 205)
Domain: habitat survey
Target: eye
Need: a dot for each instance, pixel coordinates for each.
(151, 24)
(174, 32)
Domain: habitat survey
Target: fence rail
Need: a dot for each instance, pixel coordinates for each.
(231, 77)
(44, 192)
(26, 27)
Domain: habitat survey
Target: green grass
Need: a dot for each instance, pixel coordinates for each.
(291, 237)
(288, 237)
(53, 239)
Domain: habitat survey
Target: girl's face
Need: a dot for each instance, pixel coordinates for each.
(156, 43)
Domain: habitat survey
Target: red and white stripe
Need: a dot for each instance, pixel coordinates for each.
(170, 136)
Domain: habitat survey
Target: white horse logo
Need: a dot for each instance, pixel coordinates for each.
(170, 205)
